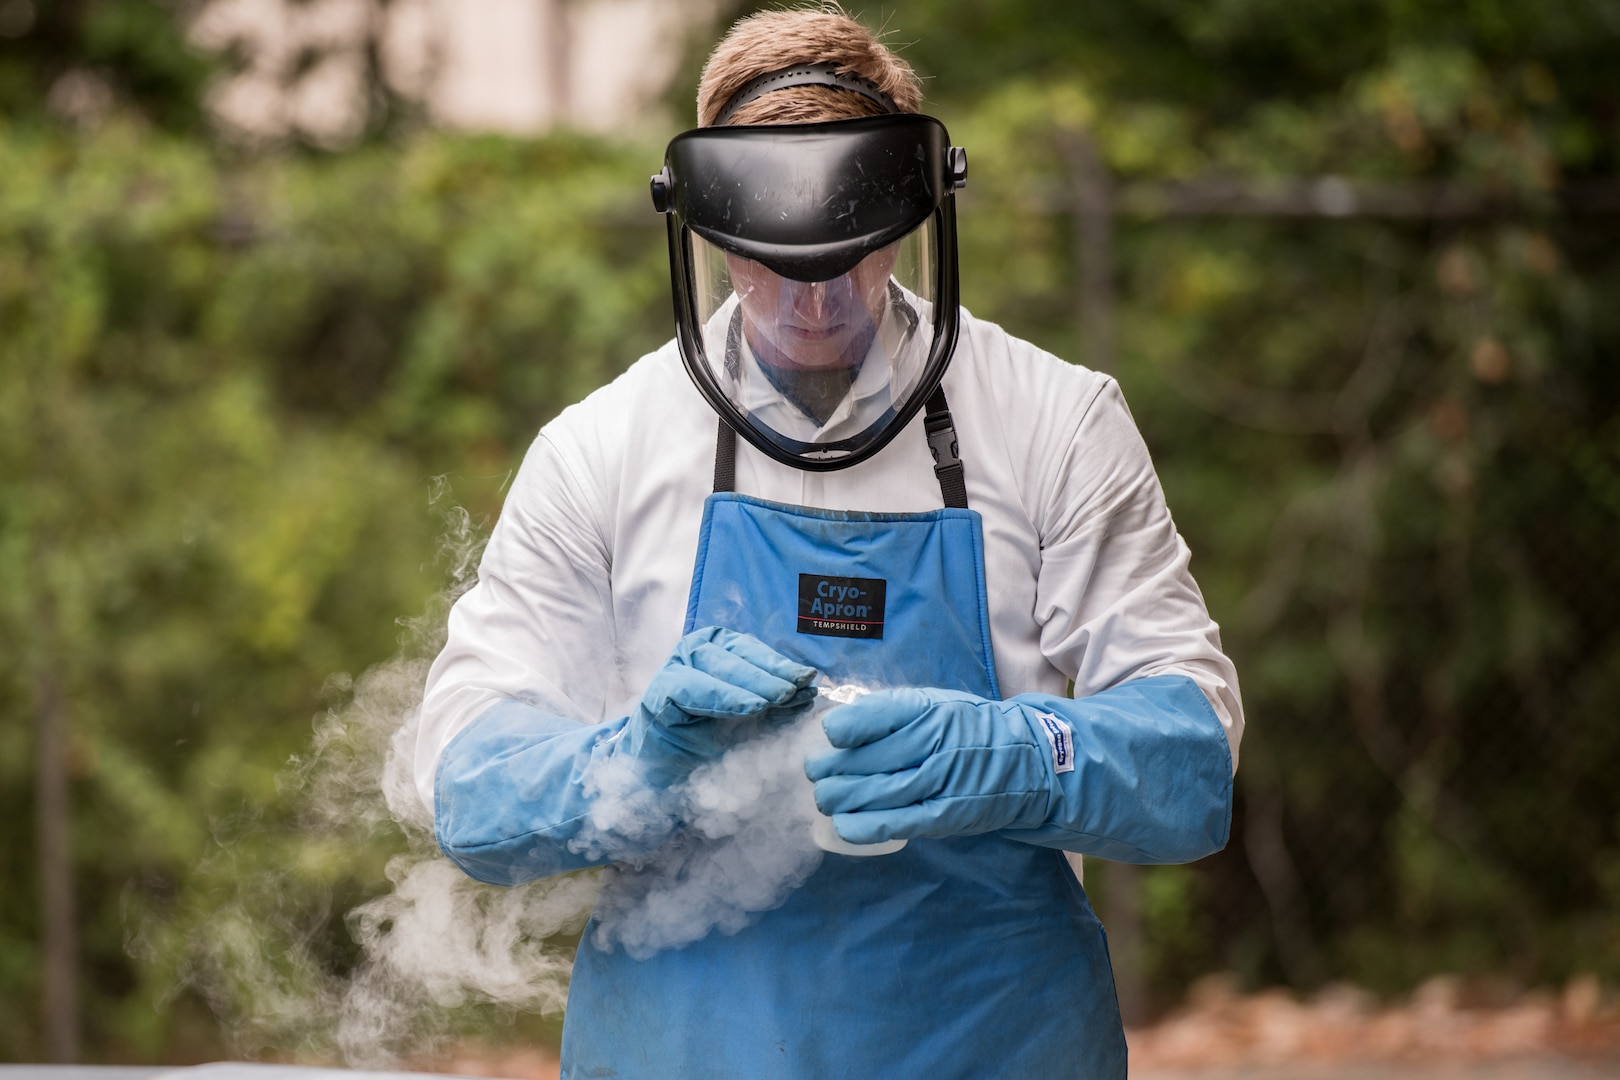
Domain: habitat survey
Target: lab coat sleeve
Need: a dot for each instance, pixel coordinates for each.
(513, 707)
(1156, 713)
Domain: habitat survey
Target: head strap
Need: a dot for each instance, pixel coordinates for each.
(804, 75)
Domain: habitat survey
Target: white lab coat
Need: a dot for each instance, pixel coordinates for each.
(582, 590)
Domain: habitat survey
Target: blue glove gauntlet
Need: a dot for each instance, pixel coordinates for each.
(1141, 772)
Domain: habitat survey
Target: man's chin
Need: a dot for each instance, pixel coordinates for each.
(814, 363)
(820, 356)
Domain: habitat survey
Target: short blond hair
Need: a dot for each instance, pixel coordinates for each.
(823, 34)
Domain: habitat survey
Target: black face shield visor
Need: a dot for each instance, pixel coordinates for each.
(814, 277)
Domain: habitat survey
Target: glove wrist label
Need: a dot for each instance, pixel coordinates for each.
(1061, 736)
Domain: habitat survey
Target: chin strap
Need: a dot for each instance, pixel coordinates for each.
(938, 427)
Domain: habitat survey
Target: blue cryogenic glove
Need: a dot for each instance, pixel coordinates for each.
(931, 763)
(515, 791)
(712, 693)
(1139, 773)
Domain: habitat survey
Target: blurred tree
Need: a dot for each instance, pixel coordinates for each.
(80, 58)
(221, 394)
(321, 76)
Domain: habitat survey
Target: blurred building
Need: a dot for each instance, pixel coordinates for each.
(514, 66)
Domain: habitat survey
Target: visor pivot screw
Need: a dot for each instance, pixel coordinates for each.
(662, 185)
(956, 166)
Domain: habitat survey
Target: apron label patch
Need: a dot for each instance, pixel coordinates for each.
(841, 606)
(1061, 736)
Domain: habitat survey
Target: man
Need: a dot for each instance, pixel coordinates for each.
(918, 503)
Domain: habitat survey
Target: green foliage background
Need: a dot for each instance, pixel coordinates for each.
(228, 382)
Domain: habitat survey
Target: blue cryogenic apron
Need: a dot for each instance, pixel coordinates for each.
(969, 957)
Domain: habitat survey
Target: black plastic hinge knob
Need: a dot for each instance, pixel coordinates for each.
(662, 190)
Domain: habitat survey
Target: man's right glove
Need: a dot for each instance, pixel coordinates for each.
(717, 689)
(514, 795)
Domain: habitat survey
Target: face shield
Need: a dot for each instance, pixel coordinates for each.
(814, 274)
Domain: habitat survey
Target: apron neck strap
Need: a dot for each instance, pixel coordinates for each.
(725, 458)
(937, 426)
(941, 432)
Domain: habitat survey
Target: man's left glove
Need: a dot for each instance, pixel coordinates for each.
(934, 763)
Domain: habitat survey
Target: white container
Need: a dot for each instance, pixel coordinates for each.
(821, 827)
(827, 839)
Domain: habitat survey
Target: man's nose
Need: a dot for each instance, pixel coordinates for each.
(814, 300)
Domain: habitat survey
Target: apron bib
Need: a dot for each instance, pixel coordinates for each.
(969, 957)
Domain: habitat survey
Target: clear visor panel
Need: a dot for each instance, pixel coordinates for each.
(819, 368)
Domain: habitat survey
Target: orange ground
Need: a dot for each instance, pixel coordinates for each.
(1223, 1031)
(1444, 1021)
